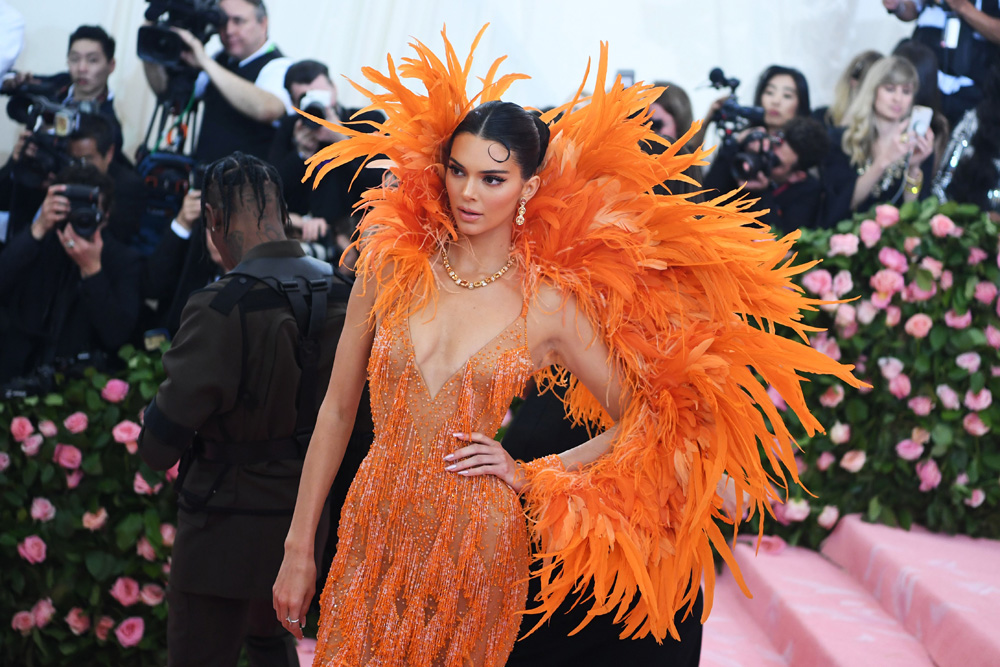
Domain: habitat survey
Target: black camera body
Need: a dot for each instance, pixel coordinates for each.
(84, 208)
(733, 116)
(161, 45)
(748, 162)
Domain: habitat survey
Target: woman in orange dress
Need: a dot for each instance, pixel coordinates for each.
(490, 254)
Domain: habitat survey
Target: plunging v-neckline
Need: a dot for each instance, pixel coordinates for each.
(460, 369)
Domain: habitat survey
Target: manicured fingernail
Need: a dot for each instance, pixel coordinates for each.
(451, 467)
(449, 457)
(458, 435)
(463, 472)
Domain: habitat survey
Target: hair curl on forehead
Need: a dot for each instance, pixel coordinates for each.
(521, 132)
(226, 178)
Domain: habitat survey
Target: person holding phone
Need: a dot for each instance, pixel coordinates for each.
(885, 158)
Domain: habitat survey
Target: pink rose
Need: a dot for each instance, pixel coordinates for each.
(825, 460)
(103, 627)
(842, 283)
(828, 517)
(43, 611)
(881, 300)
(995, 371)
(934, 266)
(77, 621)
(126, 432)
(956, 321)
(32, 444)
(893, 259)
(832, 397)
(129, 632)
(962, 479)
(818, 281)
(840, 433)
(23, 622)
(849, 330)
(48, 428)
(892, 316)
(42, 510)
(867, 312)
(870, 233)
(76, 422)
(921, 436)
(826, 345)
(985, 292)
(942, 226)
(151, 595)
(899, 386)
(946, 280)
(32, 549)
(918, 325)
(846, 315)
(843, 244)
(21, 427)
(4, 461)
(910, 244)
(797, 510)
(142, 487)
(886, 215)
(921, 405)
(168, 532)
(948, 396)
(853, 461)
(980, 400)
(827, 298)
(993, 337)
(977, 498)
(914, 294)
(776, 398)
(909, 450)
(126, 591)
(929, 474)
(890, 367)
(67, 456)
(887, 281)
(976, 256)
(95, 520)
(968, 361)
(771, 545)
(73, 479)
(145, 549)
(172, 472)
(115, 391)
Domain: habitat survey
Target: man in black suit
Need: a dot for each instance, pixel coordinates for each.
(245, 377)
(320, 213)
(69, 295)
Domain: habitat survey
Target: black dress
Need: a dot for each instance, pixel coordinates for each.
(539, 429)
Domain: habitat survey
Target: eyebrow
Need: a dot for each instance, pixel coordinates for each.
(485, 171)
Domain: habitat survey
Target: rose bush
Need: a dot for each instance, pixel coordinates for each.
(77, 590)
(924, 330)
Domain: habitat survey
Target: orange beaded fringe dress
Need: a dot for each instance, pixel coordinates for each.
(430, 566)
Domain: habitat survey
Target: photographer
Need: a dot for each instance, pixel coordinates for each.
(776, 170)
(68, 288)
(315, 211)
(241, 86)
(964, 35)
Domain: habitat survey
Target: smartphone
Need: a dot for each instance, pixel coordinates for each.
(627, 77)
(920, 120)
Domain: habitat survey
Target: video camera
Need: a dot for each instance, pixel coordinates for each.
(733, 117)
(161, 45)
(34, 103)
(732, 114)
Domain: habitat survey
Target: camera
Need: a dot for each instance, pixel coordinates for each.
(733, 116)
(161, 45)
(748, 162)
(84, 209)
(315, 103)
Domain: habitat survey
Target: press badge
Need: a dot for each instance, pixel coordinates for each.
(951, 28)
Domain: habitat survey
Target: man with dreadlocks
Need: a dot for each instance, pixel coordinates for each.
(244, 380)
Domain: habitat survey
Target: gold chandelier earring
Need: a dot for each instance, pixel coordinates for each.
(519, 220)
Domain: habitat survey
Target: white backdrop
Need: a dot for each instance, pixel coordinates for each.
(550, 40)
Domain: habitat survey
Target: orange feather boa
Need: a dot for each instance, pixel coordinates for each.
(686, 296)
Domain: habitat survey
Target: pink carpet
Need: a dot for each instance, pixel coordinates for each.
(944, 590)
(306, 648)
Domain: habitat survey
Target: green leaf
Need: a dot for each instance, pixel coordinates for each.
(942, 434)
(938, 337)
(977, 382)
(128, 530)
(874, 509)
(925, 279)
(48, 472)
(54, 400)
(857, 411)
(101, 565)
(991, 460)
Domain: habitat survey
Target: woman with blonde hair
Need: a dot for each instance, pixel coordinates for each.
(846, 87)
(880, 160)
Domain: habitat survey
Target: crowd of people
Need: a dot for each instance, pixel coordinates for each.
(79, 277)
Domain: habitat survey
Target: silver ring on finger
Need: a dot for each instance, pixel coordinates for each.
(291, 620)
(71, 244)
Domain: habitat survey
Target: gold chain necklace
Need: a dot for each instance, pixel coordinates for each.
(478, 283)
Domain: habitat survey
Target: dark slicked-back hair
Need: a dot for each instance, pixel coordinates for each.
(96, 127)
(96, 33)
(303, 72)
(226, 178)
(521, 132)
(88, 174)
